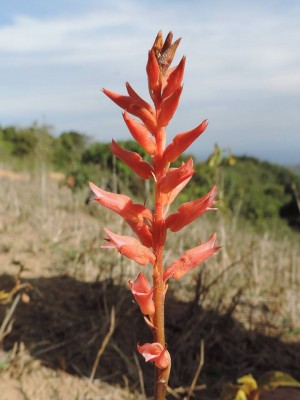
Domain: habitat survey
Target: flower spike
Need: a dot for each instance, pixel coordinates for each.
(165, 86)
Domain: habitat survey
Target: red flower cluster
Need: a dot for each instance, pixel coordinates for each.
(165, 88)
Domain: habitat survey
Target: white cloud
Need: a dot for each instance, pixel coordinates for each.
(28, 34)
(240, 61)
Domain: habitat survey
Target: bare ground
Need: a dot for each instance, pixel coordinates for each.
(59, 328)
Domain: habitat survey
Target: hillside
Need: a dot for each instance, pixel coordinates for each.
(265, 194)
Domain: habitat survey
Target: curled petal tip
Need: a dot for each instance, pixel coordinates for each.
(143, 294)
(129, 247)
(155, 353)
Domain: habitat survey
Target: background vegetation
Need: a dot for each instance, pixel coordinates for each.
(257, 191)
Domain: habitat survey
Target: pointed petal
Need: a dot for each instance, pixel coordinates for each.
(125, 102)
(120, 203)
(133, 214)
(134, 107)
(175, 176)
(158, 43)
(155, 353)
(140, 133)
(167, 53)
(141, 229)
(153, 72)
(141, 102)
(174, 80)
(143, 294)
(182, 141)
(113, 201)
(191, 258)
(129, 247)
(168, 198)
(191, 210)
(168, 107)
(133, 160)
(114, 241)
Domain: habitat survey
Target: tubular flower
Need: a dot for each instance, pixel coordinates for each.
(140, 133)
(143, 294)
(154, 77)
(188, 212)
(182, 141)
(130, 247)
(135, 107)
(191, 258)
(133, 160)
(175, 176)
(155, 353)
(168, 107)
(134, 214)
(174, 79)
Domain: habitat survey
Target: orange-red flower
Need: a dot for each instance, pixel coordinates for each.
(143, 294)
(130, 247)
(191, 258)
(134, 161)
(182, 141)
(155, 353)
(167, 198)
(154, 77)
(135, 106)
(140, 133)
(175, 176)
(168, 107)
(133, 214)
(191, 210)
(174, 79)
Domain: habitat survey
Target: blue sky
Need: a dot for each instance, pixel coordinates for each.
(242, 72)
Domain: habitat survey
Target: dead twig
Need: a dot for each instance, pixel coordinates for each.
(197, 373)
(140, 374)
(6, 325)
(104, 343)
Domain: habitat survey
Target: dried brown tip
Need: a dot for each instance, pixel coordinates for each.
(158, 43)
(165, 52)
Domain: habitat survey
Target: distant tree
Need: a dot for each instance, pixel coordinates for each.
(22, 141)
(68, 150)
(99, 154)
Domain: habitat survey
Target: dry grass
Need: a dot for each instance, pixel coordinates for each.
(50, 233)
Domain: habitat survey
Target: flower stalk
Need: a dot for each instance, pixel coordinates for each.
(165, 88)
